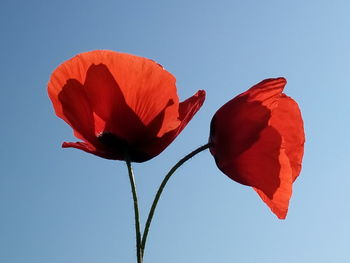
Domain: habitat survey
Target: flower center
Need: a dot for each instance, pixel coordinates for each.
(121, 147)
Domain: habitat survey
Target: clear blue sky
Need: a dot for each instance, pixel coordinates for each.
(63, 205)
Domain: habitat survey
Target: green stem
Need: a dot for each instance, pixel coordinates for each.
(136, 210)
(160, 190)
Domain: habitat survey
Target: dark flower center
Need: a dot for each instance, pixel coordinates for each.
(111, 141)
(121, 147)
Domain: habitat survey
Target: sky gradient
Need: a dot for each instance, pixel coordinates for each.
(63, 205)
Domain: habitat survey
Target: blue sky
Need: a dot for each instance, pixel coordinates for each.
(63, 205)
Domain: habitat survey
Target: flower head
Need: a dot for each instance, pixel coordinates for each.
(258, 139)
(119, 105)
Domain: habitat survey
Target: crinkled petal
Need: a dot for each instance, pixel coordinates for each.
(279, 201)
(267, 91)
(91, 149)
(129, 104)
(286, 119)
(108, 102)
(76, 110)
(235, 128)
(187, 110)
(146, 86)
(257, 139)
(259, 165)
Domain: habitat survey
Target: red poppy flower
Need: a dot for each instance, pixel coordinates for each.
(258, 140)
(120, 105)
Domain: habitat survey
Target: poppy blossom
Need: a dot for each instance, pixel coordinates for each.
(257, 139)
(120, 105)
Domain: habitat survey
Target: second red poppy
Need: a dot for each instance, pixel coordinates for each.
(258, 140)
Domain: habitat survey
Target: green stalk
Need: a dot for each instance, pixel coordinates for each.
(136, 210)
(160, 190)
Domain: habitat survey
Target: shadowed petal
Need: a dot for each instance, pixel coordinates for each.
(257, 140)
(108, 102)
(286, 118)
(236, 126)
(119, 104)
(244, 147)
(78, 114)
(279, 202)
(147, 88)
(91, 149)
(266, 91)
(187, 110)
(259, 165)
(137, 78)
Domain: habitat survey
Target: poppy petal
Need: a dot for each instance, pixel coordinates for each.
(127, 103)
(78, 114)
(235, 128)
(137, 78)
(286, 118)
(158, 92)
(257, 140)
(266, 91)
(79, 145)
(91, 149)
(108, 102)
(279, 202)
(259, 165)
(187, 110)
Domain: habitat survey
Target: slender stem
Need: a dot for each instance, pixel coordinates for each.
(136, 210)
(160, 190)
